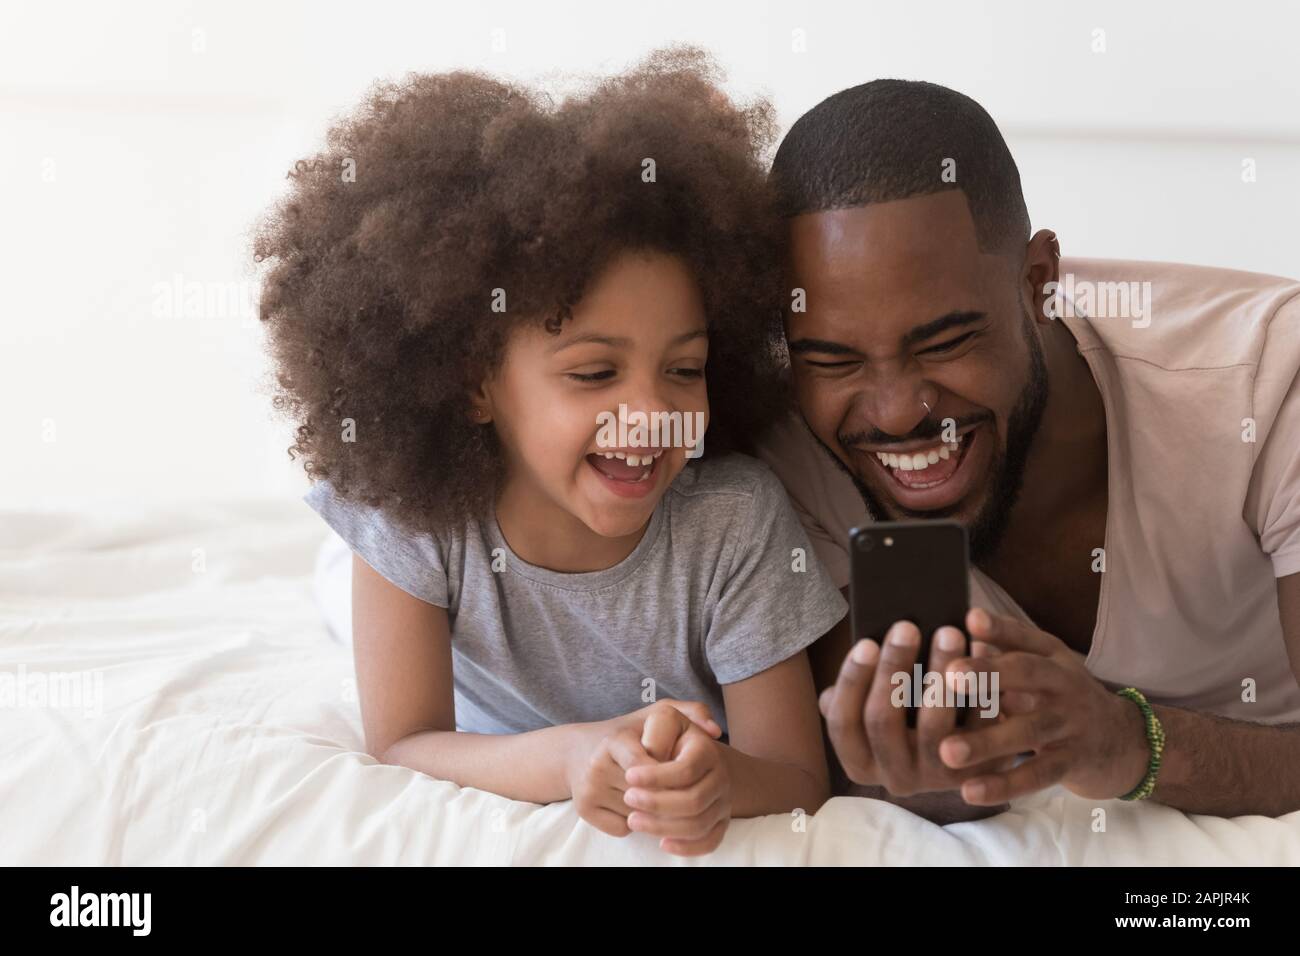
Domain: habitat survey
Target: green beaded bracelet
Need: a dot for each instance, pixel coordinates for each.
(1155, 740)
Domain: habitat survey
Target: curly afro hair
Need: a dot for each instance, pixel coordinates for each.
(385, 251)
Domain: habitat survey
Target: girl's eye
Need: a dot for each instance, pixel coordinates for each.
(609, 373)
(947, 346)
(830, 364)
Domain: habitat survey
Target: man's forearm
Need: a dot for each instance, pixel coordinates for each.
(760, 787)
(529, 766)
(1227, 767)
(1210, 765)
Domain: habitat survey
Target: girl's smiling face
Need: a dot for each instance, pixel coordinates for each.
(638, 339)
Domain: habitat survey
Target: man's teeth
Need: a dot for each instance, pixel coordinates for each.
(915, 461)
(636, 461)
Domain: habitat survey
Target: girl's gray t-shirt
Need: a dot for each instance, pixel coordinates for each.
(723, 585)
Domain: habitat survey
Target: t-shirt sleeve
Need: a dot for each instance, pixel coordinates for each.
(1273, 502)
(410, 561)
(832, 553)
(776, 600)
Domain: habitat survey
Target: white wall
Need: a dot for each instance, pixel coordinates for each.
(139, 142)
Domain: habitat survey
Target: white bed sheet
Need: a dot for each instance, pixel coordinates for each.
(226, 731)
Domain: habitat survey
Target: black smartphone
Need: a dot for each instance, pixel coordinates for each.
(916, 571)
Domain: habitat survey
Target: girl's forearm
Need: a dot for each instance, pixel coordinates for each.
(759, 786)
(533, 767)
(530, 766)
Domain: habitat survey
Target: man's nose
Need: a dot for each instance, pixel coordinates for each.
(896, 404)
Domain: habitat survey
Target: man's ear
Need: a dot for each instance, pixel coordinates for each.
(1041, 275)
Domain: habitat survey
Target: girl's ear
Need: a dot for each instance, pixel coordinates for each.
(480, 406)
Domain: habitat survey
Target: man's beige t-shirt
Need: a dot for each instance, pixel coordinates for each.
(1203, 420)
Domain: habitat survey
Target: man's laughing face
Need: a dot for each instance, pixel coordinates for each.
(903, 310)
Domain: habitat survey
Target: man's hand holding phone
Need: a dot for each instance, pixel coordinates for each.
(870, 733)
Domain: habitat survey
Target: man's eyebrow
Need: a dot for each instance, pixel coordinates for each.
(622, 343)
(918, 334)
(952, 320)
(799, 346)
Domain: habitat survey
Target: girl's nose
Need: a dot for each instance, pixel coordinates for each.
(646, 397)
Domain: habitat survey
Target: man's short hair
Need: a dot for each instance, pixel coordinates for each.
(894, 139)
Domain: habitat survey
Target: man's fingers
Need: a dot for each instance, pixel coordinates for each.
(1013, 702)
(1004, 739)
(825, 700)
(1008, 634)
(844, 705)
(1016, 671)
(1036, 773)
(935, 723)
(887, 731)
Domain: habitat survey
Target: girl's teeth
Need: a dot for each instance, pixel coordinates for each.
(944, 453)
(932, 457)
(636, 461)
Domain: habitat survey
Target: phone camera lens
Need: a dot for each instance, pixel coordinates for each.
(866, 542)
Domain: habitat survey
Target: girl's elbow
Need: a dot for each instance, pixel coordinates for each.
(818, 794)
(383, 750)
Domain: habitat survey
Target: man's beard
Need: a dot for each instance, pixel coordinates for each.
(990, 524)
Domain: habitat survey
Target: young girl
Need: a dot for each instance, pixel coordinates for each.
(466, 289)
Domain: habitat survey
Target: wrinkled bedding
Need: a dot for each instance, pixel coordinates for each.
(217, 723)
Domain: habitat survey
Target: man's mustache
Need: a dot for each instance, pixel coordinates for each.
(926, 430)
